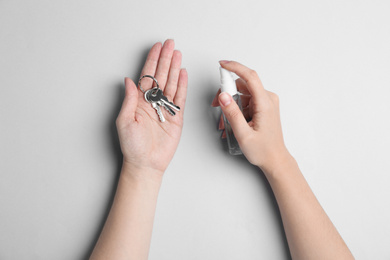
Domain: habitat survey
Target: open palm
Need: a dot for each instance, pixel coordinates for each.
(145, 141)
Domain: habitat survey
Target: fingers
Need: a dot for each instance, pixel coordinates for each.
(181, 93)
(252, 80)
(242, 87)
(164, 63)
(245, 100)
(234, 115)
(246, 113)
(215, 102)
(130, 102)
(151, 65)
(173, 78)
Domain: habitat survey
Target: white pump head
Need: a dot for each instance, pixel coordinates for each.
(228, 84)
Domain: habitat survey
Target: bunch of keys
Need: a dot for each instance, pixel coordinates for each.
(156, 98)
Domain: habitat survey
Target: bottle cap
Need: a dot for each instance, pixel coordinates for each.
(228, 84)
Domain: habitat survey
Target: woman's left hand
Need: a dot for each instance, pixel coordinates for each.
(147, 143)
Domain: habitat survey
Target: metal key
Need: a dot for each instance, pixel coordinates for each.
(155, 105)
(165, 100)
(154, 96)
(159, 97)
(159, 113)
(170, 110)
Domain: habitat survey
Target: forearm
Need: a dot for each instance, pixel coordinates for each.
(128, 229)
(309, 231)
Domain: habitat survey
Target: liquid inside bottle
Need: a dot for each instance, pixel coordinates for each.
(234, 148)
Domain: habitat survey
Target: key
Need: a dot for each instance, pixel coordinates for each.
(155, 96)
(159, 113)
(163, 100)
(170, 110)
(147, 94)
(155, 105)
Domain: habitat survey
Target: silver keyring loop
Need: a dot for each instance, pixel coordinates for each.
(147, 76)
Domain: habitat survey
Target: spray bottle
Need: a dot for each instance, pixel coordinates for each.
(228, 85)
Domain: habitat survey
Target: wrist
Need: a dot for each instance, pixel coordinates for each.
(278, 165)
(139, 173)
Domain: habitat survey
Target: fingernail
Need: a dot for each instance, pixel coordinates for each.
(224, 61)
(225, 99)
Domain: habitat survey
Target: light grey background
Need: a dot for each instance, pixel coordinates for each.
(62, 65)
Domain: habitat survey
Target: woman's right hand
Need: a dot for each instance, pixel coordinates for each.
(260, 139)
(309, 231)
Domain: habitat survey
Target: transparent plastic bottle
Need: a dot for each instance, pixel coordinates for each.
(228, 85)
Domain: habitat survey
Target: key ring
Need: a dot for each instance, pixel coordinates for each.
(147, 76)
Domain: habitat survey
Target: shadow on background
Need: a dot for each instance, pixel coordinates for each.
(115, 145)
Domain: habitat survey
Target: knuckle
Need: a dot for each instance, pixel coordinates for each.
(275, 98)
(253, 74)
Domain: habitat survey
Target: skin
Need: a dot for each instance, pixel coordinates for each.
(310, 233)
(147, 146)
(128, 229)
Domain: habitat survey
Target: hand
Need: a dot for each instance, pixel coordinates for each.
(147, 143)
(260, 139)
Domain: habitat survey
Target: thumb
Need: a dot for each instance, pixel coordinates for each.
(234, 115)
(130, 101)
